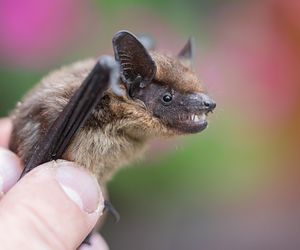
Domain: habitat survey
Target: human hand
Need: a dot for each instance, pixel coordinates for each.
(54, 206)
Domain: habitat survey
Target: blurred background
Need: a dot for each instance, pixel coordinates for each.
(235, 185)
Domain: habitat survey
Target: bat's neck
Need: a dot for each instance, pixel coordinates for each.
(103, 152)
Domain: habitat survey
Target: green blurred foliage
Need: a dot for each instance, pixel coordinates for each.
(13, 85)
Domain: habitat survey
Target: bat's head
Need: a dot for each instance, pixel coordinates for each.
(167, 87)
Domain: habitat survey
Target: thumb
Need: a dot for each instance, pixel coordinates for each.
(54, 206)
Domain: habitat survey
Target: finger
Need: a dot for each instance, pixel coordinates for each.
(97, 243)
(5, 130)
(10, 170)
(55, 206)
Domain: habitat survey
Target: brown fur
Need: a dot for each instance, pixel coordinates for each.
(115, 134)
(176, 74)
(118, 129)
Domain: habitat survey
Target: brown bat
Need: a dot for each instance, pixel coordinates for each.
(100, 113)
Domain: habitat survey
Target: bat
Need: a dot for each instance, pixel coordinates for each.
(101, 113)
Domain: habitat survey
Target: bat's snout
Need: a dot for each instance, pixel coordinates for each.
(207, 103)
(200, 102)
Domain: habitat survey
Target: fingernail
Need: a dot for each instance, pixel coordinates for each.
(80, 186)
(10, 169)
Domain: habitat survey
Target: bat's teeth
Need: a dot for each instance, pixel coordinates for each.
(192, 117)
(201, 117)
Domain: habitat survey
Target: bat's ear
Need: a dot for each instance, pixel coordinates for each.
(137, 66)
(186, 55)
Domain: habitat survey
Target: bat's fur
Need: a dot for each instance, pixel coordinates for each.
(118, 129)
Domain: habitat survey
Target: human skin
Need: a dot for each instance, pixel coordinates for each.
(48, 208)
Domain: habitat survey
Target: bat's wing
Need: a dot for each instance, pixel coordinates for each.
(54, 143)
(105, 74)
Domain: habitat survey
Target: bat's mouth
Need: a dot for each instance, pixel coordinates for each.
(192, 123)
(188, 113)
(194, 119)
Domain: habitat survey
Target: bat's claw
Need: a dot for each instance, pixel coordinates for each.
(114, 69)
(110, 208)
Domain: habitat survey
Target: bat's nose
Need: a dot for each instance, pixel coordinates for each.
(200, 102)
(208, 103)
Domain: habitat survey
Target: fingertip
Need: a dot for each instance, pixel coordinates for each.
(58, 198)
(97, 243)
(10, 169)
(80, 186)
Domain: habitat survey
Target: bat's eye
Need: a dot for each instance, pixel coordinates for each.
(167, 98)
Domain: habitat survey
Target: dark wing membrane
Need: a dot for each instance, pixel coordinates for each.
(76, 112)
